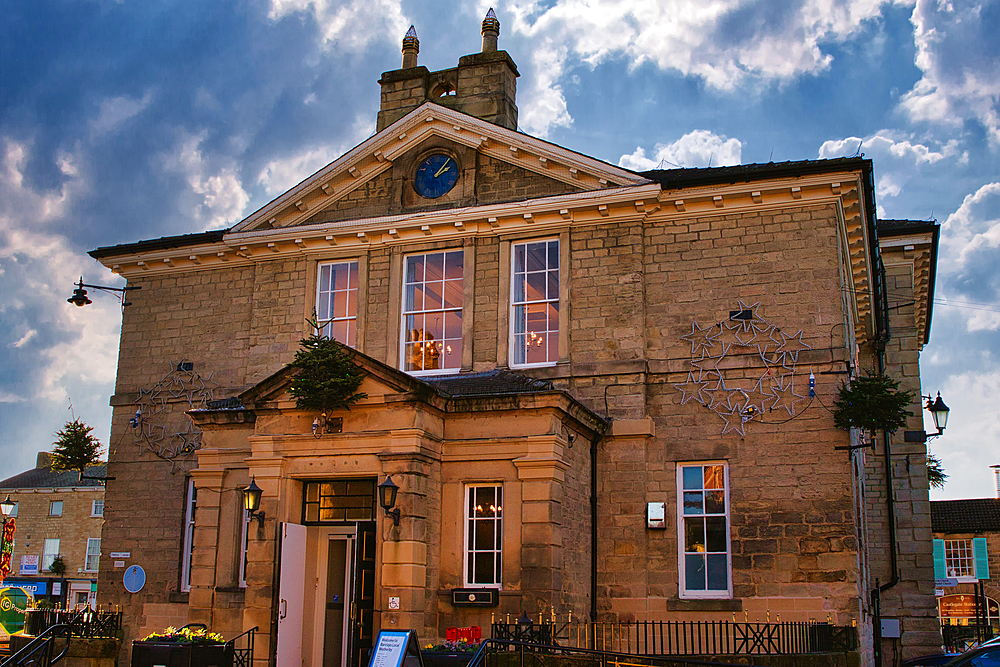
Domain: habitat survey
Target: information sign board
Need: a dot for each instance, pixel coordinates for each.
(393, 647)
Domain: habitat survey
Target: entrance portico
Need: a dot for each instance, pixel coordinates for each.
(494, 474)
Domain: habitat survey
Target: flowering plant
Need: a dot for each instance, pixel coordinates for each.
(186, 635)
(460, 646)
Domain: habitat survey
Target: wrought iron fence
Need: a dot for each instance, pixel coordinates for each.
(686, 637)
(90, 624)
(242, 648)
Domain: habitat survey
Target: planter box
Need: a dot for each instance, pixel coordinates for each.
(173, 654)
(443, 659)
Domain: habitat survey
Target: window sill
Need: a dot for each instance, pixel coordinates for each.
(706, 604)
(178, 597)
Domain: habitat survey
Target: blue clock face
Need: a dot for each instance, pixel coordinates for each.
(435, 176)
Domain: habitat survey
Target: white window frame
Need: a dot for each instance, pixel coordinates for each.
(956, 551)
(244, 546)
(53, 505)
(551, 335)
(94, 505)
(93, 551)
(701, 594)
(325, 301)
(187, 543)
(469, 546)
(443, 348)
(47, 555)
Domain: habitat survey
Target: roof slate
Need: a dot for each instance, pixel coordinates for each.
(976, 515)
(497, 382)
(46, 478)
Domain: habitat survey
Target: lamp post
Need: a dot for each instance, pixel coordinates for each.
(80, 298)
(939, 413)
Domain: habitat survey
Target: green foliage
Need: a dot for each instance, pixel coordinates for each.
(57, 566)
(328, 379)
(936, 475)
(75, 447)
(872, 402)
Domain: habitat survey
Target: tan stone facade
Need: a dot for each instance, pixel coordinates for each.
(780, 264)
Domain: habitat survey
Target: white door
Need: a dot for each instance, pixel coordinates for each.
(291, 587)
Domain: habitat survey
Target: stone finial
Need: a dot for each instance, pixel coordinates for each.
(411, 47)
(491, 31)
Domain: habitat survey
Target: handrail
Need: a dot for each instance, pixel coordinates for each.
(41, 642)
(251, 630)
(478, 660)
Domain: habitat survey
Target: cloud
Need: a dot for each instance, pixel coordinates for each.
(76, 347)
(280, 174)
(891, 143)
(216, 197)
(970, 253)
(348, 25)
(956, 53)
(115, 111)
(723, 42)
(699, 148)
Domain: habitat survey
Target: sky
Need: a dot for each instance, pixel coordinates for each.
(122, 121)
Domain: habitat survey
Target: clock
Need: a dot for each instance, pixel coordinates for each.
(436, 175)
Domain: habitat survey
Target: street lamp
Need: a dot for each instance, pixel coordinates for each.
(80, 298)
(387, 491)
(6, 537)
(939, 413)
(7, 506)
(251, 501)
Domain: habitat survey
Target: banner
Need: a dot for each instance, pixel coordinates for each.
(29, 565)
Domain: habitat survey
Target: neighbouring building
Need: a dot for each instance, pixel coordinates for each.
(598, 391)
(57, 515)
(966, 568)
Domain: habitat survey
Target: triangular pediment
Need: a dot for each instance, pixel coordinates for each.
(380, 380)
(352, 181)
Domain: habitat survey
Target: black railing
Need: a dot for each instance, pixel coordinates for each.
(958, 638)
(85, 624)
(40, 652)
(686, 637)
(501, 653)
(243, 655)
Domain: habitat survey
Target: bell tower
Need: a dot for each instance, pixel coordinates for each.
(483, 85)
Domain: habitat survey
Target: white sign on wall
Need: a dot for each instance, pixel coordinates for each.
(29, 565)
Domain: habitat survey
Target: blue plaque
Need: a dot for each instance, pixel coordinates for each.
(134, 579)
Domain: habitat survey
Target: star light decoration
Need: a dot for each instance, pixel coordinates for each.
(166, 433)
(737, 402)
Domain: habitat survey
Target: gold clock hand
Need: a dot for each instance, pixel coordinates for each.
(443, 168)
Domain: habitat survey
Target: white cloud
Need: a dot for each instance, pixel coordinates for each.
(891, 143)
(280, 174)
(25, 339)
(40, 268)
(117, 110)
(722, 41)
(348, 24)
(543, 106)
(699, 148)
(969, 445)
(961, 74)
(218, 198)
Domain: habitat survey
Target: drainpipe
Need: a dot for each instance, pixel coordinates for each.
(593, 526)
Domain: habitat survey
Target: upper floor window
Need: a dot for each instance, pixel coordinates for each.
(433, 293)
(535, 303)
(51, 550)
(337, 301)
(963, 559)
(483, 535)
(704, 531)
(93, 554)
(55, 508)
(97, 508)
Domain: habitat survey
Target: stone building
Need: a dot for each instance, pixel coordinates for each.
(57, 514)
(967, 567)
(598, 391)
